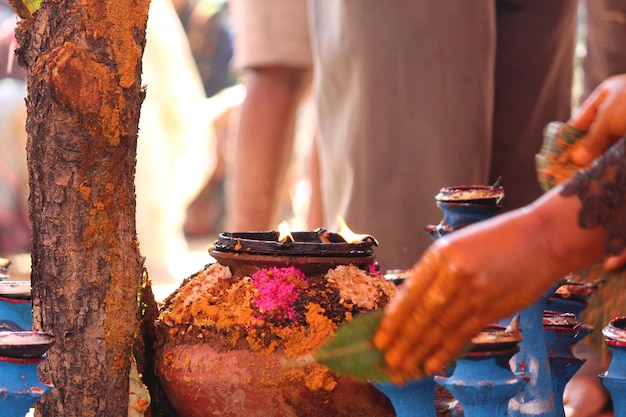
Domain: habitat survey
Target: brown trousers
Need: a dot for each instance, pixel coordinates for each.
(415, 95)
(606, 32)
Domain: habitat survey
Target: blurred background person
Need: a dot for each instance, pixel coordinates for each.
(602, 31)
(175, 151)
(14, 226)
(209, 31)
(272, 49)
(423, 94)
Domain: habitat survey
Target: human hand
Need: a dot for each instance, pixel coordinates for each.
(463, 282)
(602, 117)
(572, 146)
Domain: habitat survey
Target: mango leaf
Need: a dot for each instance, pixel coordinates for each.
(351, 351)
(25, 8)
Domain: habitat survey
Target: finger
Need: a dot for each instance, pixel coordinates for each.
(482, 312)
(598, 139)
(452, 346)
(427, 331)
(439, 330)
(425, 306)
(585, 115)
(602, 117)
(400, 307)
(396, 314)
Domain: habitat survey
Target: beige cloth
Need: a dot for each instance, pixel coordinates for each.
(270, 32)
(606, 31)
(176, 148)
(421, 94)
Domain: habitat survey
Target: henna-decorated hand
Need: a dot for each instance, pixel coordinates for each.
(463, 282)
(572, 146)
(477, 275)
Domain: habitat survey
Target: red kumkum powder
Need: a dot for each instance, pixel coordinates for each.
(278, 290)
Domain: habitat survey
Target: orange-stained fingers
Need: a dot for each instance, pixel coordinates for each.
(453, 345)
(448, 329)
(401, 306)
(427, 331)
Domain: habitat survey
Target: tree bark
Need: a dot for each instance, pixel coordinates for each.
(83, 65)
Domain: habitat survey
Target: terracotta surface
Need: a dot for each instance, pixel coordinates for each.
(237, 383)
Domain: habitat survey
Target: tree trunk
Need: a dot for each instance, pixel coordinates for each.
(83, 65)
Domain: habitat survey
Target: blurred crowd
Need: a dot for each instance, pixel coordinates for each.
(186, 63)
(187, 128)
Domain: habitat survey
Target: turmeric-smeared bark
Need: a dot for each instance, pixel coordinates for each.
(83, 65)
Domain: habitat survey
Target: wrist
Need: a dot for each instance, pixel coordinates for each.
(566, 246)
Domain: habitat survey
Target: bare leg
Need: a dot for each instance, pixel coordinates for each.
(262, 147)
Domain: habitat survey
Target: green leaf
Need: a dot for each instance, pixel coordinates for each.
(25, 8)
(351, 351)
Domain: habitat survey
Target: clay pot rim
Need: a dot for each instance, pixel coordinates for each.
(15, 289)
(555, 319)
(578, 291)
(488, 195)
(509, 348)
(495, 335)
(25, 344)
(9, 359)
(615, 332)
(246, 264)
(266, 243)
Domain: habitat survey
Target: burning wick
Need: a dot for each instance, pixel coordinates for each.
(349, 236)
(323, 234)
(284, 233)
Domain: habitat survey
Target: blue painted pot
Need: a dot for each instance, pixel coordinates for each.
(483, 383)
(566, 305)
(536, 399)
(464, 205)
(561, 330)
(614, 379)
(413, 399)
(482, 380)
(20, 387)
(575, 307)
(20, 354)
(15, 306)
(15, 314)
(573, 296)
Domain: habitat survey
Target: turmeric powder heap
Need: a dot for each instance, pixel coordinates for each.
(274, 310)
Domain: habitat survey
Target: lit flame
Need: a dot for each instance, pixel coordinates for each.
(284, 232)
(348, 235)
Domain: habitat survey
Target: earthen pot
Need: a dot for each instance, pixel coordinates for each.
(200, 382)
(223, 337)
